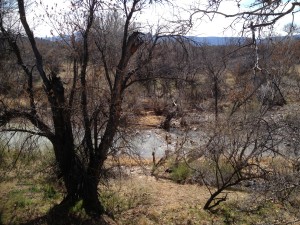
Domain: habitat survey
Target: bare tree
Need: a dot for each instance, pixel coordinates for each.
(234, 154)
(214, 62)
(73, 123)
(257, 19)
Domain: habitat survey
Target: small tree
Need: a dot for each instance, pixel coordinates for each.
(214, 62)
(234, 154)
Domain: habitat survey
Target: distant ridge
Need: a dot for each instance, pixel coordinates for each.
(217, 40)
(235, 40)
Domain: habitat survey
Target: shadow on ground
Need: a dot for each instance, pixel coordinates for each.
(47, 220)
(59, 215)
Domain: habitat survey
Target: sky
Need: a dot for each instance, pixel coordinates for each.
(158, 14)
(218, 25)
(201, 27)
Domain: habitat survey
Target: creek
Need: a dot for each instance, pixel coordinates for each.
(141, 142)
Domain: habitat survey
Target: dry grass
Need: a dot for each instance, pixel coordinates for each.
(127, 161)
(138, 198)
(150, 120)
(164, 202)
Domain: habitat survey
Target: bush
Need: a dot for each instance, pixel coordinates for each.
(205, 172)
(181, 173)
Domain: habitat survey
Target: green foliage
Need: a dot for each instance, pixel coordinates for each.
(211, 172)
(77, 207)
(181, 172)
(224, 170)
(112, 202)
(50, 192)
(19, 199)
(34, 189)
(78, 210)
(22, 202)
(253, 211)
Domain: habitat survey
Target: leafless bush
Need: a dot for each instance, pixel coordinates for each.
(234, 154)
(283, 180)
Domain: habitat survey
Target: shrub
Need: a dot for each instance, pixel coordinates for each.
(211, 173)
(181, 173)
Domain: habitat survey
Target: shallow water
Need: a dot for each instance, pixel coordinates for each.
(141, 142)
(159, 141)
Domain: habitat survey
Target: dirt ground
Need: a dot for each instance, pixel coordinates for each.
(162, 201)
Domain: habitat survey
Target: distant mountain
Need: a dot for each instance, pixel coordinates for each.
(217, 40)
(56, 38)
(235, 40)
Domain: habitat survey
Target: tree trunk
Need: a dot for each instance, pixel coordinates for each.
(208, 205)
(80, 183)
(216, 96)
(91, 202)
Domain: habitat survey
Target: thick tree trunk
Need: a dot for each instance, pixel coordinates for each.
(91, 202)
(80, 183)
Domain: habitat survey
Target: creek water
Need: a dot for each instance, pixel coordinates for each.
(145, 142)
(140, 142)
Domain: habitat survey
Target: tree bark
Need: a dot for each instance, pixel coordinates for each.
(208, 205)
(79, 182)
(90, 197)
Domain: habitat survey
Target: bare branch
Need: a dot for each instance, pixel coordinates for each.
(38, 56)
(8, 116)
